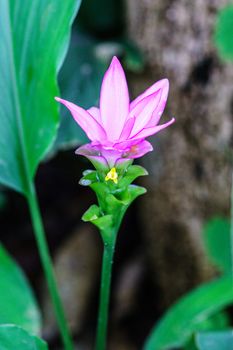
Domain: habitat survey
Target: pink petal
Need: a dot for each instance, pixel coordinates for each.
(127, 128)
(161, 84)
(139, 150)
(114, 100)
(95, 112)
(143, 111)
(85, 120)
(93, 154)
(125, 145)
(150, 131)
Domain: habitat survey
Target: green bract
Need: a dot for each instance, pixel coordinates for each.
(113, 198)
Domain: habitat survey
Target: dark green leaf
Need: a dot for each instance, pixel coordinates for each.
(34, 39)
(13, 337)
(216, 235)
(17, 302)
(215, 340)
(223, 37)
(182, 319)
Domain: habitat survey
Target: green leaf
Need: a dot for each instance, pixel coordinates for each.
(34, 39)
(215, 340)
(17, 301)
(216, 236)
(13, 337)
(182, 319)
(223, 37)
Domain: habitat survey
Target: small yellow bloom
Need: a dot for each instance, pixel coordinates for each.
(112, 175)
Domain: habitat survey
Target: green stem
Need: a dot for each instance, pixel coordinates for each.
(101, 333)
(48, 267)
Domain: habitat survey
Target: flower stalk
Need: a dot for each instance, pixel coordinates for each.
(117, 131)
(106, 274)
(113, 200)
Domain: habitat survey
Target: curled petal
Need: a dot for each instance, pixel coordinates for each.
(151, 131)
(85, 120)
(93, 153)
(162, 84)
(139, 150)
(125, 145)
(163, 87)
(114, 100)
(143, 111)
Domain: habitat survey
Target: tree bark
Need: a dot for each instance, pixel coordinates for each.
(190, 167)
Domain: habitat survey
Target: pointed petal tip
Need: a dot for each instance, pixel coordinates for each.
(114, 100)
(164, 84)
(57, 99)
(115, 60)
(165, 81)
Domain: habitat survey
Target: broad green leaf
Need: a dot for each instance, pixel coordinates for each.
(223, 37)
(215, 340)
(176, 327)
(13, 337)
(216, 236)
(17, 301)
(34, 37)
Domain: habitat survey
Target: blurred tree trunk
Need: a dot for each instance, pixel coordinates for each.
(189, 179)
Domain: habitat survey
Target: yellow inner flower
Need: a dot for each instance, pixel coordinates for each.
(112, 175)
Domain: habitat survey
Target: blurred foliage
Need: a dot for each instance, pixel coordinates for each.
(223, 36)
(187, 315)
(13, 337)
(202, 309)
(17, 302)
(217, 241)
(3, 198)
(219, 321)
(215, 340)
(103, 18)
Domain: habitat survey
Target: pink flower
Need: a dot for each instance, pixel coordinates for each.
(118, 128)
